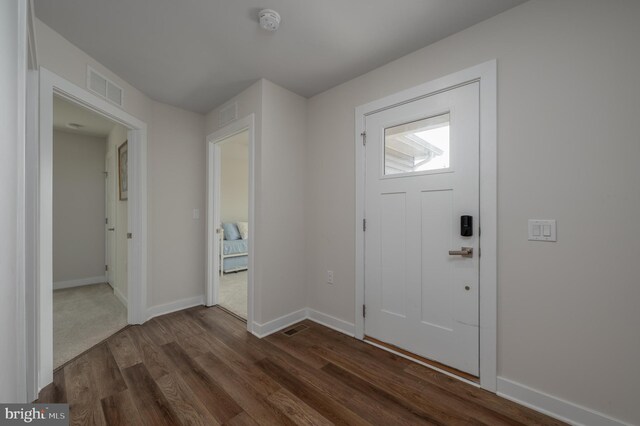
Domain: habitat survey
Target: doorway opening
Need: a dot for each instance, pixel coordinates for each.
(89, 231)
(40, 166)
(230, 219)
(233, 188)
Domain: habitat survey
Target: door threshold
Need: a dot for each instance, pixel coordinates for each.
(434, 365)
(230, 312)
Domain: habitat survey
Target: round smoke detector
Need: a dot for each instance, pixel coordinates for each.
(269, 19)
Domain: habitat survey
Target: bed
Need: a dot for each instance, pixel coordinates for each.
(234, 250)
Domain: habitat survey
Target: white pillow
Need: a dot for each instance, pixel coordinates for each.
(243, 227)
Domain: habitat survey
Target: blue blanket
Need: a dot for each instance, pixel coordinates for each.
(235, 246)
(234, 263)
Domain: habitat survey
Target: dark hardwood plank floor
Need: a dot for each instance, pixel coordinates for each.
(201, 367)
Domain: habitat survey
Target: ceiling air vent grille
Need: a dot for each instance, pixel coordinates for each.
(228, 114)
(103, 87)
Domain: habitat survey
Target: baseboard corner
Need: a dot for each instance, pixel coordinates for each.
(178, 305)
(59, 285)
(273, 326)
(332, 322)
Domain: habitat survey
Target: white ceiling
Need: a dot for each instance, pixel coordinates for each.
(65, 112)
(196, 54)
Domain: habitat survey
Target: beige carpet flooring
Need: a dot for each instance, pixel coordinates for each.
(233, 292)
(82, 317)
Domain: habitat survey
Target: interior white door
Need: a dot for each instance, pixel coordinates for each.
(422, 175)
(110, 222)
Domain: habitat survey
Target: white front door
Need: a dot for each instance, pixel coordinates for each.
(422, 176)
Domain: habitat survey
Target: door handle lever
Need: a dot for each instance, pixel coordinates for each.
(111, 229)
(464, 252)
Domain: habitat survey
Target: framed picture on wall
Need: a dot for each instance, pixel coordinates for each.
(123, 183)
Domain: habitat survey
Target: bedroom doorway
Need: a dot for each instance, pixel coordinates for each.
(230, 219)
(234, 223)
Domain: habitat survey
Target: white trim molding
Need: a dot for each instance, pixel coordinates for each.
(51, 84)
(332, 322)
(213, 212)
(178, 305)
(553, 406)
(273, 326)
(59, 285)
(485, 74)
(23, 373)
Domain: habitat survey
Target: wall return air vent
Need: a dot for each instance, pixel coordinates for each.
(103, 87)
(227, 114)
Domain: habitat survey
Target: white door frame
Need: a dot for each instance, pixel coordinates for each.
(485, 74)
(51, 83)
(23, 96)
(213, 213)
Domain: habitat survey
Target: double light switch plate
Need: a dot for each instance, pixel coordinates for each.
(542, 230)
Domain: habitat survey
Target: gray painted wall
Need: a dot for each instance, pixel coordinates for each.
(78, 206)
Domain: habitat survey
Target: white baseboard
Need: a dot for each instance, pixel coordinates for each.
(555, 407)
(178, 305)
(79, 282)
(273, 326)
(332, 322)
(121, 297)
(263, 330)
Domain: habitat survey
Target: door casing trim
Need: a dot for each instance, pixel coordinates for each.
(486, 75)
(50, 84)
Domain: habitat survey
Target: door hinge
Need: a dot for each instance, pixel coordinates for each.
(106, 267)
(364, 225)
(364, 138)
(364, 311)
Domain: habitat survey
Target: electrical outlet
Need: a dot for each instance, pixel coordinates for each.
(330, 277)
